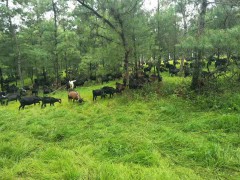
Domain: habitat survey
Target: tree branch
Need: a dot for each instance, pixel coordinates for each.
(82, 2)
(106, 38)
(132, 8)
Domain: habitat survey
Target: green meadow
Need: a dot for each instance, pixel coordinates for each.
(159, 132)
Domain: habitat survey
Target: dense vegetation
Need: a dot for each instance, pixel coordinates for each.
(186, 125)
(151, 133)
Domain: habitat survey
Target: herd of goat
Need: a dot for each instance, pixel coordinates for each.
(136, 80)
(13, 93)
(73, 95)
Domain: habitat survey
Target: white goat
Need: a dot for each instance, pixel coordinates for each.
(71, 84)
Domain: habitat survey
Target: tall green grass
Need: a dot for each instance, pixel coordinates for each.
(153, 133)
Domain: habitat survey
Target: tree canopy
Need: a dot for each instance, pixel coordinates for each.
(113, 35)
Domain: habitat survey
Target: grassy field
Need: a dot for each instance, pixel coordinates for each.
(142, 134)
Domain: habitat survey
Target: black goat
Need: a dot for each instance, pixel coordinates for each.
(3, 99)
(49, 100)
(119, 87)
(172, 69)
(23, 92)
(98, 92)
(27, 88)
(47, 90)
(105, 79)
(2, 93)
(147, 69)
(221, 63)
(29, 101)
(35, 91)
(117, 75)
(12, 88)
(109, 90)
(13, 97)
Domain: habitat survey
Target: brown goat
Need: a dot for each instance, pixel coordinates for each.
(73, 96)
(119, 87)
(153, 78)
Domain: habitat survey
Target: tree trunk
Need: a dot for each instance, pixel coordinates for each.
(32, 74)
(197, 67)
(174, 56)
(44, 73)
(126, 68)
(56, 63)
(135, 51)
(103, 62)
(218, 53)
(126, 51)
(17, 50)
(158, 69)
(182, 65)
(159, 45)
(66, 64)
(1, 79)
(19, 65)
(184, 20)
